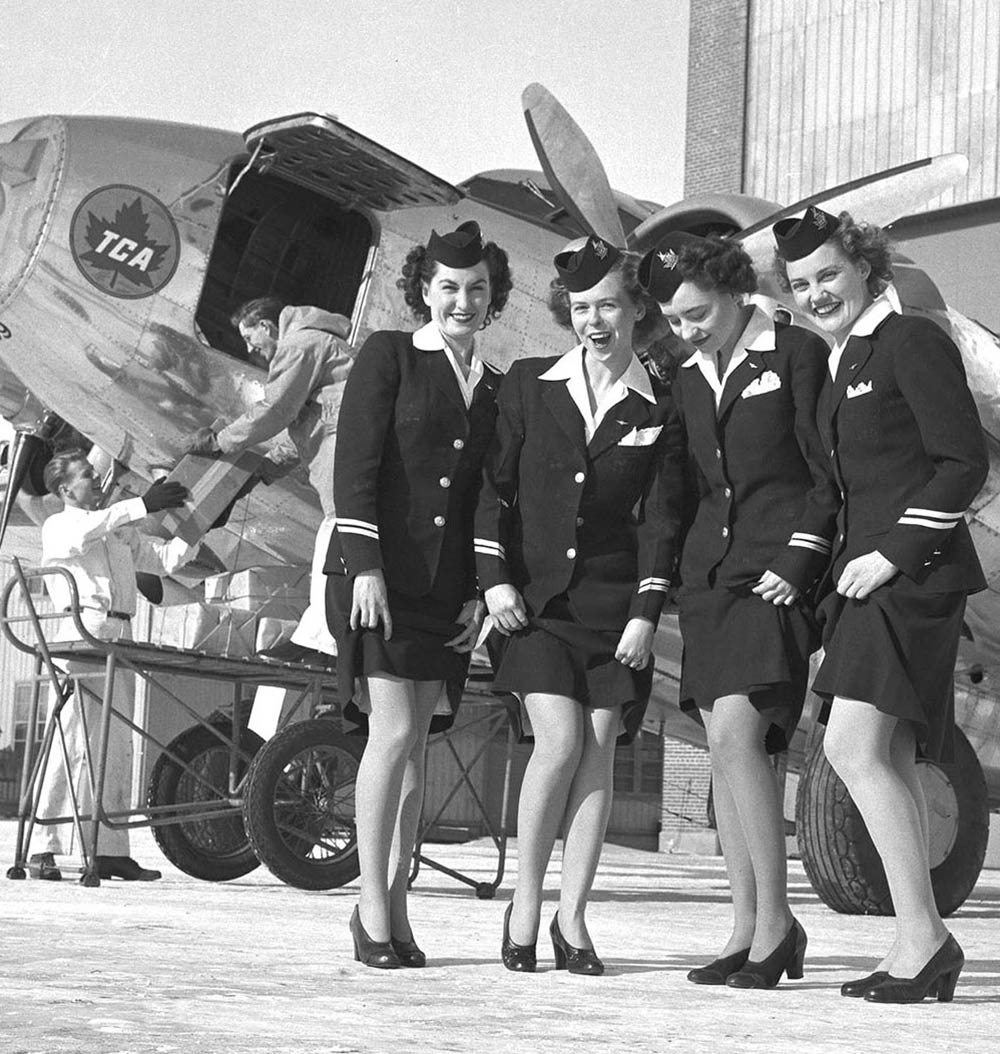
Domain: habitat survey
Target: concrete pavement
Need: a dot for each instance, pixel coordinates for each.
(252, 966)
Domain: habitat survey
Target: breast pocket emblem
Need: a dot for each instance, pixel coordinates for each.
(768, 381)
(640, 436)
(861, 388)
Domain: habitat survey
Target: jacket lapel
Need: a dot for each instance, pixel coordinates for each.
(749, 370)
(560, 404)
(443, 377)
(632, 412)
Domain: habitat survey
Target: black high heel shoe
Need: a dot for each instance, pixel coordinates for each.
(786, 959)
(379, 954)
(718, 970)
(517, 957)
(857, 988)
(938, 977)
(408, 953)
(576, 960)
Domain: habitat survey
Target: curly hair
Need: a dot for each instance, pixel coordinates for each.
(717, 263)
(58, 470)
(646, 329)
(857, 240)
(419, 268)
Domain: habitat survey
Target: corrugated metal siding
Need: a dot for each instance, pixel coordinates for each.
(837, 89)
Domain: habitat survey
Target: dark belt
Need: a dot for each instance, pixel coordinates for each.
(120, 615)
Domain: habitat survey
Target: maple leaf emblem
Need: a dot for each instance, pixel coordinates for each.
(123, 246)
(669, 259)
(819, 220)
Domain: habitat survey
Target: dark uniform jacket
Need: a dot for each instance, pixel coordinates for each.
(767, 497)
(908, 451)
(408, 462)
(596, 522)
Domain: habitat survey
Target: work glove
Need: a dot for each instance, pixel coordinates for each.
(202, 442)
(164, 494)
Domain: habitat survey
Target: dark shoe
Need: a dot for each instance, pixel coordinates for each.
(43, 865)
(408, 953)
(785, 959)
(938, 977)
(857, 989)
(718, 970)
(517, 957)
(125, 868)
(576, 960)
(289, 652)
(378, 954)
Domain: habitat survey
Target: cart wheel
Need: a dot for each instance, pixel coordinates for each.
(214, 849)
(299, 805)
(485, 891)
(16, 872)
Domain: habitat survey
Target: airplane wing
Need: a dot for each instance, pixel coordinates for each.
(325, 155)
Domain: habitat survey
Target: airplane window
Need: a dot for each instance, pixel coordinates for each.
(279, 239)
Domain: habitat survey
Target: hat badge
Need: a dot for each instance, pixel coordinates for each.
(600, 249)
(819, 219)
(669, 259)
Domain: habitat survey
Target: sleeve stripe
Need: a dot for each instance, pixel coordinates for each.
(659, 584)
(362, 527)
(802, 536)
(933, 514)
(799, 544)
(486, 547)
(916, 521)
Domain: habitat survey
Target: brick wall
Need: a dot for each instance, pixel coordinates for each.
(716, 96)
(686, 779)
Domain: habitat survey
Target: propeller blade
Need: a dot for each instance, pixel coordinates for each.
(23, 449)
(883, 196)
(571, 165)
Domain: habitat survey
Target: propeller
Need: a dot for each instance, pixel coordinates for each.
(24, 448)
(571, 165)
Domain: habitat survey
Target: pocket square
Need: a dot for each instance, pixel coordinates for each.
(641, 436)
(861, 388)
(768, 381)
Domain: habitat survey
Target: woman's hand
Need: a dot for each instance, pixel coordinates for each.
(471, 617)
(506, 607)
(636, 643)
(370, 602)
(864, 574)
(775, 590)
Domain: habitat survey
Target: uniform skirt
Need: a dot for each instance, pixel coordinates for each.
(416, 650)
(896, 650)
(557, 655)
(737, 644)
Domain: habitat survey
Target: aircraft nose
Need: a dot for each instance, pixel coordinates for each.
(27, 183)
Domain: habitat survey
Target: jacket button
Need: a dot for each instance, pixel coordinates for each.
(580, 477)
(571, 553)
(458, 444)
(725, 532)
(718, 453)
(728, 492)
(439, 521)
(445, 482)
(579, 521)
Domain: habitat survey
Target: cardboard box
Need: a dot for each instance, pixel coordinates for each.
(213, 483)
(183, 625)
(235, 634)
(274, 631)
(252, 588)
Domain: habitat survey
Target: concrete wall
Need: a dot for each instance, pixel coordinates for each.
(837, 89)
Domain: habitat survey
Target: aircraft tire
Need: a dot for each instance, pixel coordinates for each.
(840, 859)
(299, 805)
(215, 849)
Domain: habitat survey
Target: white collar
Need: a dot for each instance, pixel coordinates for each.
(875, 314)
(429, 338)
(570, 366)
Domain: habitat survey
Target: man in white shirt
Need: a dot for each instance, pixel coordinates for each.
(102, 549)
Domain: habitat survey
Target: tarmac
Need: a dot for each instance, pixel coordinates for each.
(252, 965)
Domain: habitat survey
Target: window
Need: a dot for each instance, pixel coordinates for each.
(276, 238)
(22, 711)
(639, 765)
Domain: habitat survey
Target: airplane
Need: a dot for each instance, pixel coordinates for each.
(126, 243)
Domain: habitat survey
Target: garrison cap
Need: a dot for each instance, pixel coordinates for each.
(462, 247)
(584, 267)
(798, 238)
(659, 274)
